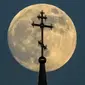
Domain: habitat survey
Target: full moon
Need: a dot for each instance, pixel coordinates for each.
(23, 38)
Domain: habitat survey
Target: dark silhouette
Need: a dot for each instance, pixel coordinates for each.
(42, 59)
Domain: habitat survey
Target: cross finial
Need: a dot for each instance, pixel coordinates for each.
(41, 17)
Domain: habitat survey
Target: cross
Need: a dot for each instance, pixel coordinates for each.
(42, 25)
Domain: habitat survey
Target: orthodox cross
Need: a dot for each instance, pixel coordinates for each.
(42, 59)
(42, 25)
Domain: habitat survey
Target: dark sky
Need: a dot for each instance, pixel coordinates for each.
(72, 73)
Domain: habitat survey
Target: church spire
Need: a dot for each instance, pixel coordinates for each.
(42, 60)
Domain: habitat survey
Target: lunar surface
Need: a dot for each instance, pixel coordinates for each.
(23, 38)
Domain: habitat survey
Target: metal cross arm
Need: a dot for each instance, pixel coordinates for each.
(49, 26)
(33, 24)
(40, 17)
(42, 25)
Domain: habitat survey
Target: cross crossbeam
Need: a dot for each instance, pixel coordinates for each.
(39, 17)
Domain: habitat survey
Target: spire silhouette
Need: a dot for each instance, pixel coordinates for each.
(42, 60)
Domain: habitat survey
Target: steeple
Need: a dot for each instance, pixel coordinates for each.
(42, 60)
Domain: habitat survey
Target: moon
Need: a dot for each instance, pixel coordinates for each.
(23, 38)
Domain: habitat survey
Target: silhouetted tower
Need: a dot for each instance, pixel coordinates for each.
(42, 59)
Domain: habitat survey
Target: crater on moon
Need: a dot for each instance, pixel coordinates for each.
(55, 11)
(23, 38)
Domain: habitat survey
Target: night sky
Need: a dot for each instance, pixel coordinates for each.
(72, 73)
